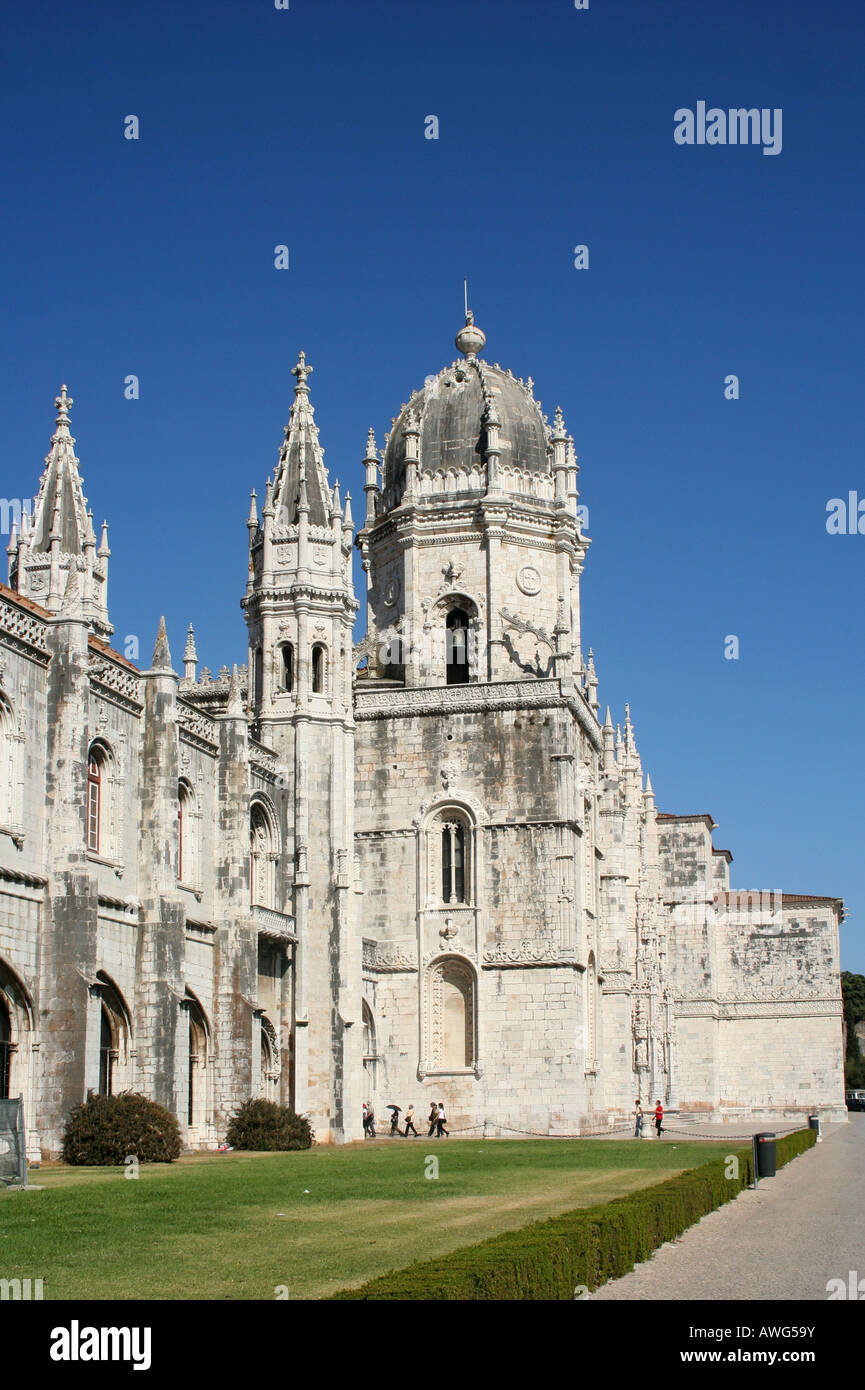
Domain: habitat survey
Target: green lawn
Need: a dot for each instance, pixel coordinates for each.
(235, 1226)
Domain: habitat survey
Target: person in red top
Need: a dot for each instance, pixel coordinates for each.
(659, 1116)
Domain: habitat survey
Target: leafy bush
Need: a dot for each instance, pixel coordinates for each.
(550, 1259)
(105, 1130)
(263, 1125)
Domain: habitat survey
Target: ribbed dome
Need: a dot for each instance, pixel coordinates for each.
(450, 411)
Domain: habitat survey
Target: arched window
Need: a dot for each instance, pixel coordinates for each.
(318, 669)
(5, 1050)
(257, 676)
(452, 1015)
(102, 832)
(457, 648)
(450, 856)
(287, 666)
(453, 862)
(186, 867)
(263, 853)
(113, 1039)
(95, 770)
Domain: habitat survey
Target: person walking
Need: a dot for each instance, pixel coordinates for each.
(659, 1116)
(394, 1119)
(638, 1119)
(433, 1119)
(370, 1122)
(409, 1123)
(365, 1119)
(441, 1121)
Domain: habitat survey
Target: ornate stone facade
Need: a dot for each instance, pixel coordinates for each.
(413, 868)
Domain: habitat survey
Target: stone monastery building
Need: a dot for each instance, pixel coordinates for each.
(422, 867)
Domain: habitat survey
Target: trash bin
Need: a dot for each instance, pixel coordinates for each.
(814, 1123)
(767, 1155)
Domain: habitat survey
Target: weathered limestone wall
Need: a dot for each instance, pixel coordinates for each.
(521, 931)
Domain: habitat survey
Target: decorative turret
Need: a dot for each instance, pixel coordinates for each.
(472, 455)
(300, 612)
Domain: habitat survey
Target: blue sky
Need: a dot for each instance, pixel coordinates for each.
(305, 127)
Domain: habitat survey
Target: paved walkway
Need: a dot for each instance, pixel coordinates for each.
(786, 1240)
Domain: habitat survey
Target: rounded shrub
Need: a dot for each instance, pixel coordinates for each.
(265, 1126)
(105, 1130)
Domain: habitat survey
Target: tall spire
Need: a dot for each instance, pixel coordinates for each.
(301, 456)
(61, 537)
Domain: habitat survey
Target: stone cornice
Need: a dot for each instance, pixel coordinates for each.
(453, 699)
(115, 683)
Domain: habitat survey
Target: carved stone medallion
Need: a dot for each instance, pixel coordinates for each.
(529, 580)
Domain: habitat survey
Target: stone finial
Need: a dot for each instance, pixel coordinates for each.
(63, 403)
(161, 659)
(301, 372)
(252, 519)
(348, 519)
(470, 340)
(371, 456)
(559, 431)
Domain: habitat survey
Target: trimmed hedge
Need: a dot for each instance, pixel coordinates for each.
(264, 1126)
(548, 1259)
(106, 1130)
